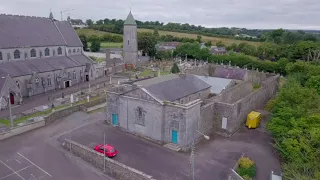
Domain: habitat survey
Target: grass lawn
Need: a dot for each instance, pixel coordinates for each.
(108, 45)
(147, 72)
(89, 32)
(227, 41)
(41, 113)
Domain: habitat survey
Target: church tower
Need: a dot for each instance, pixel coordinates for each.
(130, 41)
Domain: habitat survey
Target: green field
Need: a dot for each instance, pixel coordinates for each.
(108, 45)
(227, 41)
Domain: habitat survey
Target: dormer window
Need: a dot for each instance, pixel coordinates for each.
(33, 53)
(47, 52)
(16, 54)
(59, 51)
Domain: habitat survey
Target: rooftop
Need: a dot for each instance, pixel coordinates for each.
(173, 87)
(217, 84)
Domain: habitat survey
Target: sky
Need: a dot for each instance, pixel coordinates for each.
(251, 14)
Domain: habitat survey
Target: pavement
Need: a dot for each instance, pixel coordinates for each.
(214, 158)
(42, 99)
(37, 155)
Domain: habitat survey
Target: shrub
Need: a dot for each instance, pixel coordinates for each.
(247, 168)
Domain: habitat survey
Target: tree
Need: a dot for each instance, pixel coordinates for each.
(147, 43)
(100, 22)
(175, 69)
(95, 44)
(208, 44)
(314, 82)
(89, 22)
(84, 41)
(199, 39)
(156, 33)
(220, 44)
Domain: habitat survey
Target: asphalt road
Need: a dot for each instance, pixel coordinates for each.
(37, 155)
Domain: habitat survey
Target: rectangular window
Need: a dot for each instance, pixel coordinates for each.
(224, 123)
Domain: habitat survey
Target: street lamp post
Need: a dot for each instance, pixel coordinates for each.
(192, 155)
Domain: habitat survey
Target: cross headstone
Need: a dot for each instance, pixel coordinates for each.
(71, 98)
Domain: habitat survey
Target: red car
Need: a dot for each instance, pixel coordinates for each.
(110, 151)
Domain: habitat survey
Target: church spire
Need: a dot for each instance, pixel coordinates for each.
(130, 20)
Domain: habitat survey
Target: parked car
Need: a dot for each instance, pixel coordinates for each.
(109, 150)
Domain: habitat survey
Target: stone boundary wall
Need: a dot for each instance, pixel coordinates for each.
(19, 130)
(235, 93)
(59, 114)
(114, 168)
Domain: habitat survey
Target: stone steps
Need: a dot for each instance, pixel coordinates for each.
(172, 147)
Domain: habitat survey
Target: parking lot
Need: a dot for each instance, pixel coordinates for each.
(214, 158)
(20, 167)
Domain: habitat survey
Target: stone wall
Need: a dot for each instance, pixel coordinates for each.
(113, 168)
(20, 130)
(235, 93)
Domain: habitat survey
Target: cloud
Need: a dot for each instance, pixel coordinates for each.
(291, 14)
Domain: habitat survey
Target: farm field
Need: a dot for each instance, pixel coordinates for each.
(108, 45)
(227, 41)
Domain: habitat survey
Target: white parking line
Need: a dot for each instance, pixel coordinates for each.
(16, 172)
(12, 170)
(34, 164)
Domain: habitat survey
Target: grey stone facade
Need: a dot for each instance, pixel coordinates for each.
(42, 55)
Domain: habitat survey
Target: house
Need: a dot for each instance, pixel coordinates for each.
(167, 46)
(37, 55)
(218, 50)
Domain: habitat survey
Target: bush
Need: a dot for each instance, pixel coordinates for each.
(247, 168)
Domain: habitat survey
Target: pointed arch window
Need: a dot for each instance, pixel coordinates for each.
(74, 75)
(49, 80)
(47, 52)
(74, 50)
(1, 58)
(16, 54)
(69, 51)
(33, 53)
(59, 51)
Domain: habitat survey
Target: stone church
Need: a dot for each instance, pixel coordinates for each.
(37, 55)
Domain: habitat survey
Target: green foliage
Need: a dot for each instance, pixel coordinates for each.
(95, 44)
(175, 69)
(220, 44)
(147, 42)
(256, 86)
(295, 125)
(199, 39)
(208, 44)
(84, 41)
(314, 82)
(164, 55)
(247, 168)
(156, 33)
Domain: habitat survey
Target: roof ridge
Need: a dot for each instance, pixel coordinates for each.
(17, 15)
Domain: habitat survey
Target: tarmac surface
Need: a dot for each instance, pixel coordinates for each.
(37, 155)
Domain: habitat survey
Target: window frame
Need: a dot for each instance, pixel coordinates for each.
(15, 55)
(47, 52)
(31, 53)
(59, 51)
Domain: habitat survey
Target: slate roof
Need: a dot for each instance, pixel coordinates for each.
(148, 82)
(231, 73)
(3, 79)
(68, 33)
(26, 67)
(80, 59)
(130, 20)
(217, 84)
(177, 88)
(27, 31)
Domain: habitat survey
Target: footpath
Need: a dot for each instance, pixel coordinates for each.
(37, 100)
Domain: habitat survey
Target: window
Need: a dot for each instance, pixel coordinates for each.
(18, 84)
(128, 42)
(140, 112)
(59, 50)
(33, 53)
(49, 80)
(47, 52)
(140, 116)
(69, 51)
(16, 54)
(74, 75)
(74, 50)
(1, 56)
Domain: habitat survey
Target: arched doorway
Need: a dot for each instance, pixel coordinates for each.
(11, 98)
